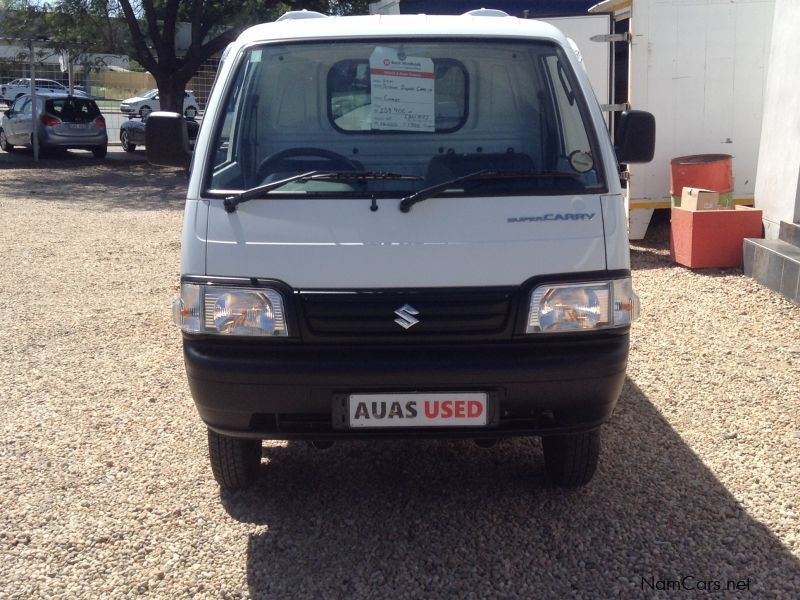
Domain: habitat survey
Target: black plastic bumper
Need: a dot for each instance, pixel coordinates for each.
(292, 391)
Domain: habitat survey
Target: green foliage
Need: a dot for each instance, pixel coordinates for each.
(147, 30)
(348, 7)
(99, 25)
(135, 66)
(82, 26)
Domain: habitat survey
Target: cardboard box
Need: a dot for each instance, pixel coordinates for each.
(701, 239)
(700, 199)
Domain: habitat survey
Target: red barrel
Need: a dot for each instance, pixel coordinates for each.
(708, 171)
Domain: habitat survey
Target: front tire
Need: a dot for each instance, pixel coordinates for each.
(126, 143)
(4, 142)
(190, 112)
(145, 111)
(234, 461)
(571, 460)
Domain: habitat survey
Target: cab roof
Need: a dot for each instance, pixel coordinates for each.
(486, 23)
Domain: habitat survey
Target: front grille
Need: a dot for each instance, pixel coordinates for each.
(439, 313)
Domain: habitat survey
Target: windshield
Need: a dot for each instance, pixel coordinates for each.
(430, 110)
(150, 94)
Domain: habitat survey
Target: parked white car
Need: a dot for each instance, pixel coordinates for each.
(148, 102)
(14, 89)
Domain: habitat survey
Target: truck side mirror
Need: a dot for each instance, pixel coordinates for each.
(635, 140)
(167, 140)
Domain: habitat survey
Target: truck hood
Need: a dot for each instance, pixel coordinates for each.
(442, 242)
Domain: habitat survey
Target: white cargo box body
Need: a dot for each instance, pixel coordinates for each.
(700, 67)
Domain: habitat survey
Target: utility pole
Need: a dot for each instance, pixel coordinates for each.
(34, 108)
(34, 111)
(65, 62)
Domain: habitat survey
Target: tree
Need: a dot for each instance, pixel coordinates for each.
(81, 27)
(213, 25)
(147, 29)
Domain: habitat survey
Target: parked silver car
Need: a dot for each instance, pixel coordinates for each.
(64, 122)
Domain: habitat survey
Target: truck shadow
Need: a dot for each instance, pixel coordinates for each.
(449, 519)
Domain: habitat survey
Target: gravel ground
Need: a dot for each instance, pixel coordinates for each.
(107, 493)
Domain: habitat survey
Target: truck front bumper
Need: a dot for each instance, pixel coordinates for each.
(295, 391)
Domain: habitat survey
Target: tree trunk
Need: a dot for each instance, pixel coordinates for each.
(170, 92)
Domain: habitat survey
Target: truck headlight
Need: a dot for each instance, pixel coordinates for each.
(582, 306)
(224, 310)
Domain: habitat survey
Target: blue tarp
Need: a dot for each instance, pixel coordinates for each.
(535, 8)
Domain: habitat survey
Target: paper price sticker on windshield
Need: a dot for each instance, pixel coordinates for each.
(402, 91)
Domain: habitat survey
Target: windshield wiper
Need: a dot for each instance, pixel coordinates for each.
(428, 192)
(231, 202)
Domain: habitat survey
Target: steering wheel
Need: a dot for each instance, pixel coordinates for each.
(337, 161)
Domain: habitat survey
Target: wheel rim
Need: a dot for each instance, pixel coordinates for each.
(191, 112)
(145, 110)
(3, 140)
(123, 138)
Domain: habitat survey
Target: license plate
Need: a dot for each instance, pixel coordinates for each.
(451, 409)
(78, 126)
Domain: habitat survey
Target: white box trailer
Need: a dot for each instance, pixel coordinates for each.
(700, 67)
(598, 64)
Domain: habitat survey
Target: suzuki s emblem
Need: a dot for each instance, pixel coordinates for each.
(406, 314)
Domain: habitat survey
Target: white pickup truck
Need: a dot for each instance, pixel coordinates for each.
(408, 227)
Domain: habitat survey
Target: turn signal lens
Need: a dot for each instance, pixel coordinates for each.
(186, 310)
(626, 303)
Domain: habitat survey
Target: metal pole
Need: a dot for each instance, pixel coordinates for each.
(69, 74)
(34, 112)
